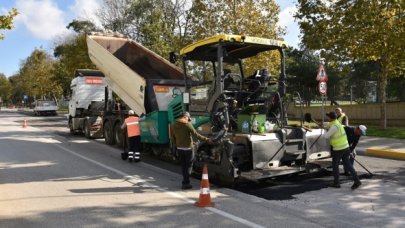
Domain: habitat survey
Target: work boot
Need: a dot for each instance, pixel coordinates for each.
(356, 184)
(130, 156)
(137, 157)
(334, 185)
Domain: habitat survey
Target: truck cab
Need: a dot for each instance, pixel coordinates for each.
(86, 105)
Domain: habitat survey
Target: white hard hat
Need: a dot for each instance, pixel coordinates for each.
(363, 129)
(131, 112)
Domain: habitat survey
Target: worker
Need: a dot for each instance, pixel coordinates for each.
(117, 105)
(182, 136)
(353, 136)
(131, 123)
(342, 117)
(340, 150)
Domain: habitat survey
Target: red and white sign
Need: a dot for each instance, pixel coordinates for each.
(322, 88)
(321, 75)
(94, 80)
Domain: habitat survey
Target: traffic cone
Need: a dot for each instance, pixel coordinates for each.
(205, 197)
(24, 123)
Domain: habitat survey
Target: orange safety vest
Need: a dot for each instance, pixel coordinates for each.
(132, 123)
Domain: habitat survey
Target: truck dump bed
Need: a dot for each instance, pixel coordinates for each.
(126, 66)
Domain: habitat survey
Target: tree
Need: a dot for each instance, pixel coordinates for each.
(36, 76)
(5, 89)
(301, 72)
(72, 54)
(253, 18)
(302, 67)
(357, 30)
(6, 21)
(159, 25)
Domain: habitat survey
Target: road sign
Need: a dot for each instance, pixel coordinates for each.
(322, 88)
(321, 75)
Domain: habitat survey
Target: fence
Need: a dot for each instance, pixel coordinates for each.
(358, 114)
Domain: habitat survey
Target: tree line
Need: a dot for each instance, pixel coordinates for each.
(360, 41)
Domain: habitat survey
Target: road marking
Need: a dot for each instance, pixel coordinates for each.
(128, 178)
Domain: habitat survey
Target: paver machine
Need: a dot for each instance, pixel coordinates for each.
(239, 103)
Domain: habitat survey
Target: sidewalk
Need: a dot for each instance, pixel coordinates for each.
(381, 147)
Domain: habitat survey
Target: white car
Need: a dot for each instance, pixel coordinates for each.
(45, 107)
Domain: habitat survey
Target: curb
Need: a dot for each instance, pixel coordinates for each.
(386, 153)
(396, 154)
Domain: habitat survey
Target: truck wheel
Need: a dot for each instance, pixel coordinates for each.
(72, 131)
(87, 132)
(108, 133)
(119, 139)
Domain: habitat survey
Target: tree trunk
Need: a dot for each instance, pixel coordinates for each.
(382, 84)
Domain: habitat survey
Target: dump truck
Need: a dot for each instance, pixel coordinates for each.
(143, 80)
(87, 103)
(242, 111)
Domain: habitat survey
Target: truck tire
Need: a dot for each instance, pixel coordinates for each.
(108, 133)
(72, 131)
(87, 132)
(119, 138)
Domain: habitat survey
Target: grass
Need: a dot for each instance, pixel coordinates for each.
(375, 131)
(389, 132)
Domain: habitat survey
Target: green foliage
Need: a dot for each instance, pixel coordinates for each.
(156, 24)
(71, 54)
(81, 26)
(301, 67)
(35, 77)
(6, 21)
(254, 18)
(357, 30)
(5, 89)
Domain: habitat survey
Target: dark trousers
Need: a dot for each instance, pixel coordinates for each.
(134, 143)
(186, 160)
(344, 156)
(351, 159)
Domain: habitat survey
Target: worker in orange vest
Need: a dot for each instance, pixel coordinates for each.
(131, 123)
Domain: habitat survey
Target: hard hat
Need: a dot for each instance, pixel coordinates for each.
(331, 115)
(186, 114)
(131, 112)
(363, 129)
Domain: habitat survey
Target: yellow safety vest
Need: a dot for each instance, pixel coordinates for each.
(338, 140)
(340, 118)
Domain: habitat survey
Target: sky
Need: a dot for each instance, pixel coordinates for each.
(42, 23)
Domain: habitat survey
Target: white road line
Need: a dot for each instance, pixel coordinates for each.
(128, 178)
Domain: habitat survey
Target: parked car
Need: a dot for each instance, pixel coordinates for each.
(45, 107)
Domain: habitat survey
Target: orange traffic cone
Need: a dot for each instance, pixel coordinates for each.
(205, 197)
(24, 123)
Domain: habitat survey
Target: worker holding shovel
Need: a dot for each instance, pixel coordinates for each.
(340, 150)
